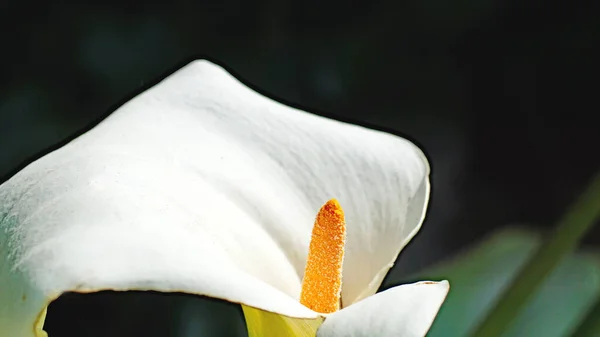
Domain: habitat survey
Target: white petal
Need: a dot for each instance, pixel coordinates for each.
(403, 311)
(204, 186)
(392, 236)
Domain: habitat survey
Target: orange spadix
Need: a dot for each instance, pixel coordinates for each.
(322, 283)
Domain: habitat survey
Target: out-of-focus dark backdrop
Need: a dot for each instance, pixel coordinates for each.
(501, 95)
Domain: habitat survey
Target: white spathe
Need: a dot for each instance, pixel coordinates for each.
(407, 310)
(202, 185)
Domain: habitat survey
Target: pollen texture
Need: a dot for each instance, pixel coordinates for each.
(322, 283)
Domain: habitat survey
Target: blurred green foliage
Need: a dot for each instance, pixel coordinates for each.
(590, 327)
(479, 277)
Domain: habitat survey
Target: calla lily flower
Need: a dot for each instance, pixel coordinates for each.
(202, 185)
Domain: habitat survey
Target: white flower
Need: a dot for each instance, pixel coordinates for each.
(201, 185)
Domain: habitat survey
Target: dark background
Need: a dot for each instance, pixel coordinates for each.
(500, 94)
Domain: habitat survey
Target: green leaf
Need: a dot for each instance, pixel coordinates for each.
(478, 277)
(579, 218)
(590, 326)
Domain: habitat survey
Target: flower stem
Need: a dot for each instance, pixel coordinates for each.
(575, 223)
